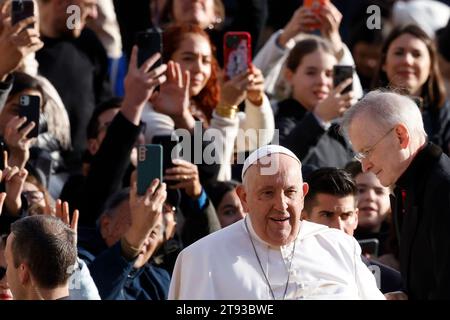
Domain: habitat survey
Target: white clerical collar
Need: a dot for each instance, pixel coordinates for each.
(247, 220)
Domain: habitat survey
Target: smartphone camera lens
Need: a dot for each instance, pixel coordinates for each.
(24, 100)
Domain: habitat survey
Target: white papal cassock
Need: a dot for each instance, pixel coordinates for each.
(223, 265)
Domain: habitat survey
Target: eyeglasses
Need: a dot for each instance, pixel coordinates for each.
(2, 272)
(360, 156)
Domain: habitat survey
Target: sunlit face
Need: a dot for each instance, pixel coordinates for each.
(373, 201)
(194, 55)
(408, 63)
(313, 79)
(274, 201)
(230, 209)
(5, 292)
(366, 58)
(200, 12)
(12, 106)
(385, 159)
(335, 212)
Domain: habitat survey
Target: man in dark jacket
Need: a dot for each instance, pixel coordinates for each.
(118, 252)
(387, 132)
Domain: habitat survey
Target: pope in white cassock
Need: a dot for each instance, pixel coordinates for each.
(271, 254)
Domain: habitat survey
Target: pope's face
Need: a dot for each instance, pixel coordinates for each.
(274, 201)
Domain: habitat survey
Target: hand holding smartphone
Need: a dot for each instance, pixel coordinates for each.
(149, 42)
(340, 74)
(315, 6)
(29, 106)
(369, 246)
(150, 164)
(237, 53)
(20, 10)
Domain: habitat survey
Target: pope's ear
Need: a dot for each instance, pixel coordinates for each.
(240, 190)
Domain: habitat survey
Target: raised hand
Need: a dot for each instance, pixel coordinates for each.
(145, 211)
(173, 98)
(17, 141)
(62, 212)
(186, 175)
(330, 19)
(14, 179)
(301, 22)
(336, 103)
(140, 84)
(255, 90)
(16, 41)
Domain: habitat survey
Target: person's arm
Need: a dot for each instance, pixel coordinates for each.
(105, 176)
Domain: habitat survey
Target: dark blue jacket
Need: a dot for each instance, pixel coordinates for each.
(115, 277)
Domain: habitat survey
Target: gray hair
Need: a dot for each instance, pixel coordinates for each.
(387, 109)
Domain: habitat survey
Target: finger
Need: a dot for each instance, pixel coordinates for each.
(181, 162)
(187, 82)
(158, 71)
(74, 223)
(2, 200)
(5, 159)
(19, 122)
(171, 74)
(341, 86)
(58, 208)
(18, 27)
(65, 213)
(25, 131)
(11, 173)
(179, 75)
(152, 188)
(150, 62)
(133, 59)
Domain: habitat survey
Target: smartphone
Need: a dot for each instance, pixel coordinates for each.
(20, 10)
(369, 246)
(29, 106)
(315, 6)
(168, 146)
(341, 73)
(149, 42)
(2, 155)
(150, 164)
(237, 51)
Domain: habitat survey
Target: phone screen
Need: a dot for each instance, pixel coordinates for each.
(29, 106)
(150, 163)
(369, 246)
(237, 53)
(149, 42)
(20, 10)
(340, 74)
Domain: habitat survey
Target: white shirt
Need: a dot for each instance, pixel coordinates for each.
(223, 265)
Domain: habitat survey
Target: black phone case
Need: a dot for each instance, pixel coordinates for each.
(150, 162)
(149, 42)
(341, 73)
(21, 10)
(30, 108)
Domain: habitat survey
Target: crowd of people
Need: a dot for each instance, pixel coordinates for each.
(345, 188)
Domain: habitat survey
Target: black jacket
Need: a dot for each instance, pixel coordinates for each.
(437, 126)
(422, 218)
(300, 132)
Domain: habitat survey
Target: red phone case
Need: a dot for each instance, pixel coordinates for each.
(237, 51)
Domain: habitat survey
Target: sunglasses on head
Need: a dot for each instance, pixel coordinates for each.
(2, 272)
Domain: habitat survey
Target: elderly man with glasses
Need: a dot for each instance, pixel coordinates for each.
(387, 133)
